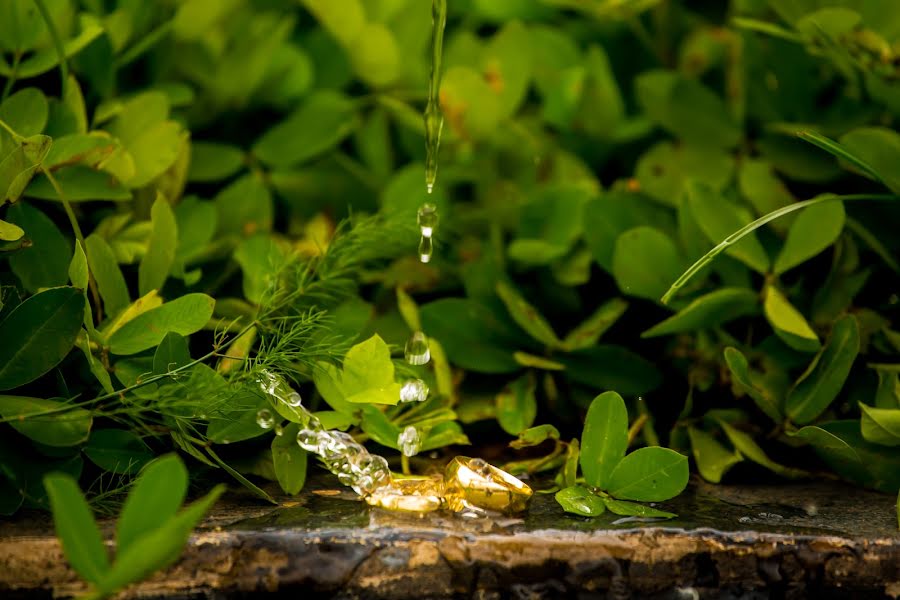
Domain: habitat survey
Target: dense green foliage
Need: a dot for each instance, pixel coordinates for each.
(205, 189)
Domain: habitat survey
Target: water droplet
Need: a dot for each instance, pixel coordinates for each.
(427, 219)
(409, 441)
(293, 399)
(426, 249)
(265, 419)
(417, 351)
(745, 520)
(414, 390)
(308, 439)
(279, 430)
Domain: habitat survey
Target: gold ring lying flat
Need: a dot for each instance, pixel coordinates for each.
(419, 495)
(472, 483)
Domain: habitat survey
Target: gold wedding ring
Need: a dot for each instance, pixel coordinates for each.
(472, 483)
(418, 495)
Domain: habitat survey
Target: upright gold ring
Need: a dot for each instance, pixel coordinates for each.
(474, 483)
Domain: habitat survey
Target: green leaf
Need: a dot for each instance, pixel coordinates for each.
(236, 420)
(580, 501)
(537, 362)
(687, 109)
(615, 211)
(534, 436)
(157, 548)
(261, 259)
(38, 334)
(171, 353)
(25, 112)
(379, 427)
(157, 263)
(409, 310)
(344, 22)
(324, 119)
(244, 207)
(79, 184)
(549, 223)
(117, 450)
(718, 219)
(888, 393)
(876, 151)
(517, 405)
(665, 169)
(44, 59)
(289, 460)
(609, 367)
(64, 426)
(474, 336)
(645, 260)
(745, 380)
(815, 229)
(368, 374)
(375, 55)
(748, 448)
(712, 458)
(78, 268)
(823, 440)
(110, 282)
(788, 323)
(184, 315)
(76, 528)
(20, 165)
(592, 329)
(880, 425)
(649, 474)
(46, 262)
(708, 311)
(155, 497)
(526, 315)
(878, 466)
(211, 161)
(10, 232)
(631, 509)
(604, 439)
(762, 187)
(820, 384)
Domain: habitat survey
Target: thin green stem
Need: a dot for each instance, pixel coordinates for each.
(404, 464)
(751, 227)
(16, 137)
(57, 43)
(76, 228)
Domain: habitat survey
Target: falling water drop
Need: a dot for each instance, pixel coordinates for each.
(293, 399)
(434, 120)
(279, 430)
(426, 249)
(265, 419)
(427, 219)
(414, 390)
(417, 351)
(409, 441)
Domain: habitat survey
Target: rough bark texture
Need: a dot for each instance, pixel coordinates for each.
(801, 540)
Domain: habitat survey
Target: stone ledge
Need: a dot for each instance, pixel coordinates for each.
(795, 540)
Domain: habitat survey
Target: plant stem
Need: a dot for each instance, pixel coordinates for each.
(57, 43)
(12, 76)
(76, 228)
(404, 464)
(751, 227)
(636, 427)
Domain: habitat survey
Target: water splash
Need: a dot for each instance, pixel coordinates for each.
(410, 441)
(417, 352)
(414, 390)
(265, 419)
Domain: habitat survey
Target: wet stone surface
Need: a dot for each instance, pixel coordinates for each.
(796, 540)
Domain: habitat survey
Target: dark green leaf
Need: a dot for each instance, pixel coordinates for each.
(76, 528)
(592, 329)
(110, 281)
(604, 439)
(289, 460)
(645, 261)
(38, 334)
(79, 184)
(184, 315)
(46, 262)
(823, 380)
(62, 426)
(878, 466)
(749, 382)
(318, 125)
(608, 367)
(117, 450)
(517, 405)
(745, 444)
(474, 337)
(25, 111)
(631, 509)
(171, 353)
(708, 311)
(534, 436)
(878, 150)
(244, 207)
(825, 441)
(526, 315)
(649, 474)
(212, 161)
(580, 501)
